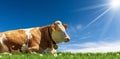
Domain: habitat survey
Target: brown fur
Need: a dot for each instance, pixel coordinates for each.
(38, 43)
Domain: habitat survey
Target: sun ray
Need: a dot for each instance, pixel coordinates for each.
(97, 18)
(100, 10)
(91, 7)
(113, 17)
(107, 25)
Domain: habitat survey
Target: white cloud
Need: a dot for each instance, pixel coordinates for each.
(85, 37)
(79, 26)
(92, 47)
(75, 28)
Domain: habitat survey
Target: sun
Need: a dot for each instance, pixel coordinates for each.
(115, 4)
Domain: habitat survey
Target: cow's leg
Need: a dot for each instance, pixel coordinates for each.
(54, 52)
(51, 51)
(34, 48)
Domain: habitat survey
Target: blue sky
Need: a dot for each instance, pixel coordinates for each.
(92, 24)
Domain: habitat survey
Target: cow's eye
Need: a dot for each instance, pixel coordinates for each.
(58, 23)
(59, 29)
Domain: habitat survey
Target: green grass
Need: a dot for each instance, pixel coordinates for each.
(66, 55)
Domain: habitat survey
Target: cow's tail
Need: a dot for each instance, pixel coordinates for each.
(1, 47)
(0, 44)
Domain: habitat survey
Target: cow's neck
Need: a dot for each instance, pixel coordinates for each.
(49, 32)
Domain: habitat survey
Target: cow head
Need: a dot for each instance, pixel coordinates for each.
(59, 34)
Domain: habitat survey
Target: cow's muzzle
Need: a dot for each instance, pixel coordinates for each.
(67, 39)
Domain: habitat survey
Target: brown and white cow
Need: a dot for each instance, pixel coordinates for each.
(39, 39)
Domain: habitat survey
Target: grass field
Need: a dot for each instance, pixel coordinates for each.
(64, 55)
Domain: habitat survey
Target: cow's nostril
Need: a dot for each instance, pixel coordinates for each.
(67, 39)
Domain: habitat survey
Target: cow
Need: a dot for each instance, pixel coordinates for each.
(43, 39)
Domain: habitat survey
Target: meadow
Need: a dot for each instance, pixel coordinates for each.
(62, 55)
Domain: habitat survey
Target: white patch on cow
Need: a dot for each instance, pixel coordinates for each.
(27, 31)
(59, 26)
(54, 52)
(59, 35)
(24, 48)
(29, 36)
(2, 39)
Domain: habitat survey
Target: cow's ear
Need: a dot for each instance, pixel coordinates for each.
(65, 25)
